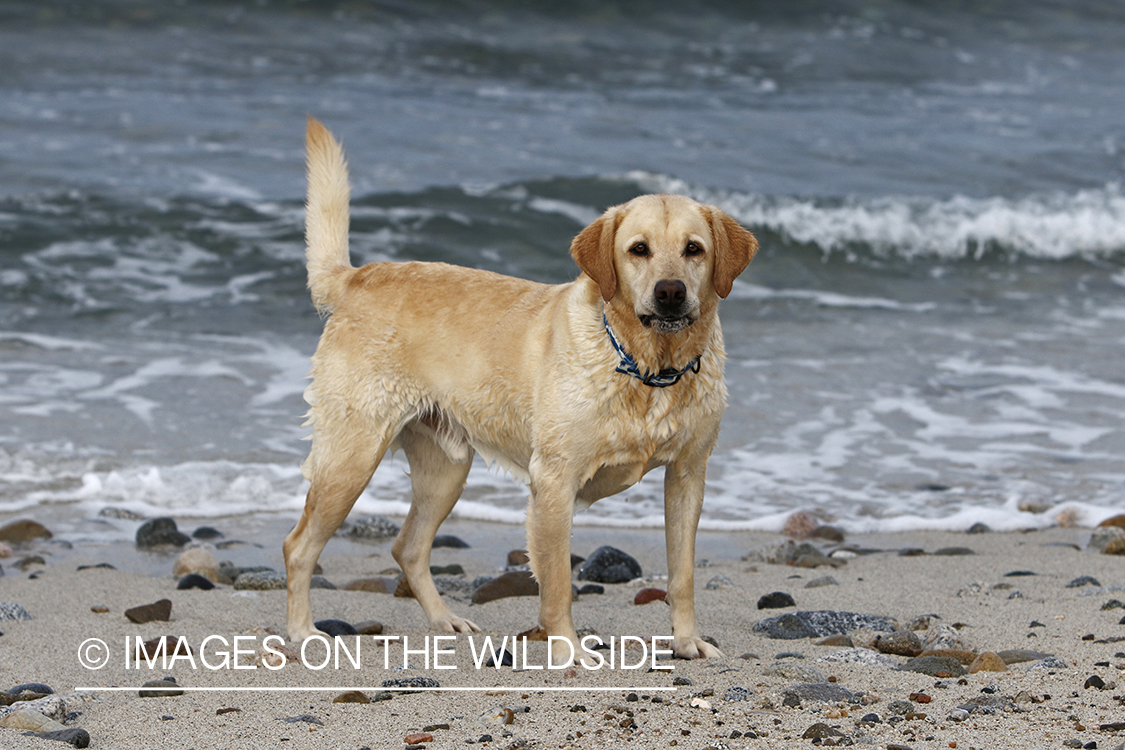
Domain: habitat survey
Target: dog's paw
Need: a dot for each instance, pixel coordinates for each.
(455, 625)
(694, 648)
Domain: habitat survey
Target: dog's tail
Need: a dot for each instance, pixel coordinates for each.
(326, 217)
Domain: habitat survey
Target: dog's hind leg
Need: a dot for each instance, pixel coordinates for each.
(339, 467)
(436, 483)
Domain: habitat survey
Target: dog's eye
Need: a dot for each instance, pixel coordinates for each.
(640, 250)
(693, 249)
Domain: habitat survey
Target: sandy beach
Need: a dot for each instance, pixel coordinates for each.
(749, 699)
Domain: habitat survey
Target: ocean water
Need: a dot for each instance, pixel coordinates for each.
(931, 335)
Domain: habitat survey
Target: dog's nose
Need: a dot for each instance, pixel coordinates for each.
(670, 294)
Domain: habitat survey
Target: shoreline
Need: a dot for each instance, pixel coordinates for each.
(973, 601)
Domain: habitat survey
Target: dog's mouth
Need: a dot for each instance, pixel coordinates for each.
(666, 325)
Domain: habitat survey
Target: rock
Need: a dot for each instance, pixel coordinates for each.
(718, 583)
(333, 628)
(964, 657)
(518, 557)
(160, 531)
(839, 641)
(899, 643)
(418, 738)
(1115, 546)
(861, 656)
(828, 533)
(370, 585)
(1020, 655)
(412, 682)
(609, 565)
(512, 583)
(800, 525)
(1118, 521)
(320, 582)
(776, 600)
(19, 532)
(591, 588)
(26, 562)
(5, 552)
(899, 708)
(194, 581)
(447, 570)
(449, 541)
(169, 645)
(979, 528)
(38, 688)
(1083, 581)
(1103, 535)
(921, 622)
(196, 560)
(373, 528)
(1094, 681)
(120, 514)
(988, 662)
(28, 718)
(796, 672)
(1049, 663)
(819, 623)
(943, 636)
(1113, 604)
(206, 533)
(455, 586)
(369, 627)
(303, 718)
(820, 730)
(351, 696)
(71, 735)
(737, 693)
(823, 692)
(645, 596)
(911, 552)
(166, 688)
(682, 681)
(935, 666)
(954, 552)
(822, 581)
(160, 611)
(260, 580)
(402, 588)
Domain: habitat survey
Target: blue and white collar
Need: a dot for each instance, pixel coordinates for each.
(666, 377)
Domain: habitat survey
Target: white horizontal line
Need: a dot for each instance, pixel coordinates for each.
(523, 688)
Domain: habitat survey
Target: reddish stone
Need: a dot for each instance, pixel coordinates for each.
(644, 596)
(418, 738)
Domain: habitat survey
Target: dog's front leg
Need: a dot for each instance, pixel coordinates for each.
(683, 502)
(549, 517)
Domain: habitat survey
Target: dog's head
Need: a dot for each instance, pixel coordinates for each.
(666, 256)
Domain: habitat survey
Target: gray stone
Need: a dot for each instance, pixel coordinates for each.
(719, 582)
(934, 665)
(1081, 581)
(1103, 535)
(899, 643)
(737, 693)
(1050, 663)
(373, 528)
(796, 672)
(320, 582)
(12, 611)
(819, 623)
(822, 581)
(1020, 655)
(862, 656)
(609, 565)
(71, 735)
(412, 682)
(160, 531)
(823, 692)
(260, 580)
(120, 514)
(303, 718)
(166, 688)
(786, 627)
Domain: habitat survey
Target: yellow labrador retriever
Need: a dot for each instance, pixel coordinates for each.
(579, 389)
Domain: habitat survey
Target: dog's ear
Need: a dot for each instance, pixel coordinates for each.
(734, 249)
(592, 250)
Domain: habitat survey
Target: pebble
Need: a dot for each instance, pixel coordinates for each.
(776, 600)
(861, 656)
(1118, 521)
(306, 718)
(373, 528)
(935, 666)
(26, 562)
(823, 692)
(333, 628)
(166, 688)
(828, 533)
(194, 581)
(591, 588)
(820, 623)
(447, 570)
(1094, 681)
(29, 718)
(512, 583)
(196, 560)
(738, 693)
(518, 557)
(370, 585)
(260, 580)
(954, 551)
(71, 735)
(157, 611)
(1112, 604)
(718, 583)
(965, 657)
(207, 533)
(160, 531)
(18, 532)
(797, 672)
(38, 688)
(351, 696)
(418, 738)
(822, 731)
(988, 662)
(369, 627)
(822, 581)
(899, 643)
(10, 611)
(449, 541)
(979, 528)
(1050, 663)
(1103, 535)
(646, 596)
(412, 682)
(320, 582)
(800, 525)
(1019, 655)
(609, 565)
